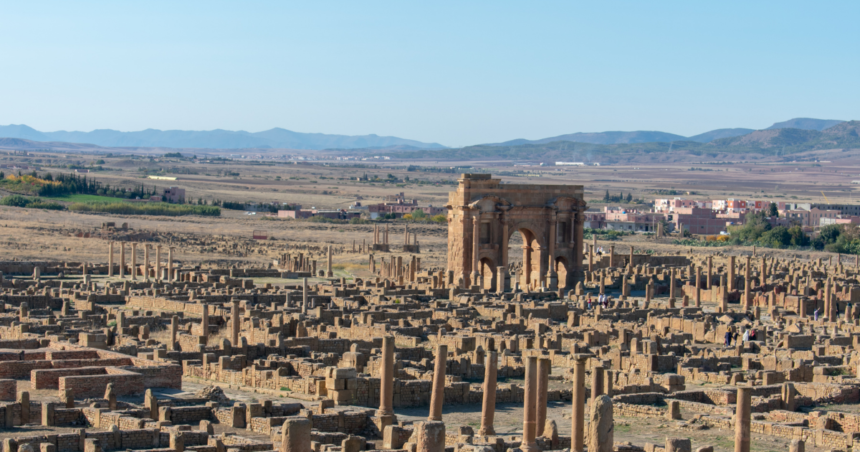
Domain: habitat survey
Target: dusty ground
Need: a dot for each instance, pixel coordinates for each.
(30, 234)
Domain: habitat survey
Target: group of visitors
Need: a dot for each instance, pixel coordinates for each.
(748, 335)
(603, 300)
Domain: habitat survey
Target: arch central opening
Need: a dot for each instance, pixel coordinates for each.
(526, 265)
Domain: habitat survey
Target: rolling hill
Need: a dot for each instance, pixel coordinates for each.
(664, 137)
(768, 142)
(806, 124)
(214, 139)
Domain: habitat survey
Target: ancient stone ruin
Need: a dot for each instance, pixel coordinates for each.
(144, 352)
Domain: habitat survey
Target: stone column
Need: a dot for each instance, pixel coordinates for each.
(110, 258)
(797, 445)
(476, 249)
(174, 328)
(24, 400)
(237, 324)
(386, 377)
(699, 282)
(133, 261)
(731, 282)
(787, 396)
(121, 259)
(488, 408)
(590, 259)
(578, 394)
(529, 405)
(437, 397)
(505, 237)
(710, 271)
(170, 276)
(671, 284)
(146, 262)
(329, 273)
(304, 295)
(158, 262)
(630, 259)
(747, 284)
(742, 419)
(296, 435)
(600, 427)
(578, 244)
(543, 369)
(551, 275)
(501, 277)
(204, 321)
(596, 382)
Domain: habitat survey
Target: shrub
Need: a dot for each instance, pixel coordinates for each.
(31, 203)
(15, 201)
(162, 209)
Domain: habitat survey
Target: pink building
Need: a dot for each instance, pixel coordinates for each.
(698, 221)
(811, 217)
(594, 220)
(736, 205)
(337, 214)
(669, 205)
(402, 209)
(174, 194)
(632, 220)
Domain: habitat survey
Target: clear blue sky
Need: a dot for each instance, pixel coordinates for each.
(457, 73)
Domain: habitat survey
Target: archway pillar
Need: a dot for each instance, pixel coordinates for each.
(575, 274)
(475, 277)
(551, 275)
(503, 218)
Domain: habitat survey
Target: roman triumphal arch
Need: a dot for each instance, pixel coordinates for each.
(482, 215)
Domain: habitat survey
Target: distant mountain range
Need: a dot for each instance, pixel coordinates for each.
(794, 135)
(216, 139)
(663, 137)
(773, 141)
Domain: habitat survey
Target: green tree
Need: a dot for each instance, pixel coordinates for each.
(830, 233)
(778, 237)
(772, 210)
(606, 196)
(629, 197)
(754, 226)
(798, 238)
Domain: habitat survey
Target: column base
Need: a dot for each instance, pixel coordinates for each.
(380, 421)
(552, 281)
(489, 431)
(474, 278)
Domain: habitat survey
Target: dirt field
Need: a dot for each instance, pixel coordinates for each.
(32, 234)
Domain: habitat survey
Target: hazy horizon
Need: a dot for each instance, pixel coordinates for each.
(456, 74)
